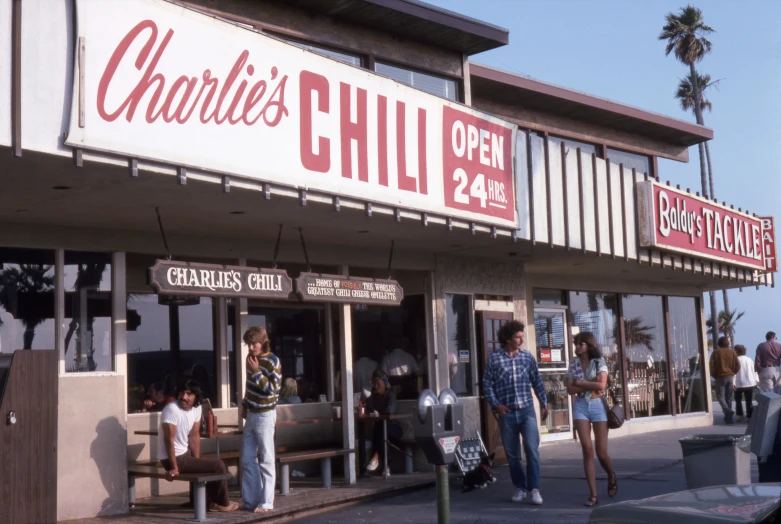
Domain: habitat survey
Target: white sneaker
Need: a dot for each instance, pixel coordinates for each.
(519, 495)
(536, 498)
(373, 464)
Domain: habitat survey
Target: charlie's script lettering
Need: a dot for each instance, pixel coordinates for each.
(207, 94)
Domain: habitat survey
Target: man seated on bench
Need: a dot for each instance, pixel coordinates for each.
(179, 444)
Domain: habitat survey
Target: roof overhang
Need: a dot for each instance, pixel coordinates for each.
(414, 20)
(514, 89)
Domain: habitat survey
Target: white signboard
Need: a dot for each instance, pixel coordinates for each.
(167, 83)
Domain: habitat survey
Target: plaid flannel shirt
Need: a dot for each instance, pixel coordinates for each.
(509, 380)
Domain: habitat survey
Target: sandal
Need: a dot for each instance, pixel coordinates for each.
(612, 487)
(592, 501)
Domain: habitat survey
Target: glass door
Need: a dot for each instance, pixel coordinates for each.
(550, 327)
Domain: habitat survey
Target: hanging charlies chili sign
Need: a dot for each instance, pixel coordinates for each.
(676, 221)
(154, 80)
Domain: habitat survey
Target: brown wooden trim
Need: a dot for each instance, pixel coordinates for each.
(16, 78)
(565, 194)
(595, 178)
(654, 167)
(602, 148)
(610, 209)
(622, 354)
(703, 350)
(669, 343)
(582, 203)
(548, 190)
(694, 132)
(291, 36)
(623, 212)
(637, 222)
(530, 169)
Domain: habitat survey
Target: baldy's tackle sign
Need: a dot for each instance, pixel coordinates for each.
(313, 287)
(169, 277)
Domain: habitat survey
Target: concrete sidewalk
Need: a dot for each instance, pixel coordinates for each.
(647, 465)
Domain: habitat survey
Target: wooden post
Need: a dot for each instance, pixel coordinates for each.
(346, 359)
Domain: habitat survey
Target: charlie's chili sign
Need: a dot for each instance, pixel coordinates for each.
(676, 221)
(170, 277)
(163, 82)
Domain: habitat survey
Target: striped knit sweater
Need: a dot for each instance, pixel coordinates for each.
(263, 384)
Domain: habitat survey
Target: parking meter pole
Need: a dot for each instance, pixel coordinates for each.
(443, 496)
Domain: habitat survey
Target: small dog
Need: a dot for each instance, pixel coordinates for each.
(480, 477)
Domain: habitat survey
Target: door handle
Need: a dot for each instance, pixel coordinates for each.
(11, 418)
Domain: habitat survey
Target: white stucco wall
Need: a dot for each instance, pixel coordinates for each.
(5, 72)
(91, 447)
(47, 73)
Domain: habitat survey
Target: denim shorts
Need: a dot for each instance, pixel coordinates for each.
(592, 410)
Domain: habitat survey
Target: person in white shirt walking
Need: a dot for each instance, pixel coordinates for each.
(745, 382)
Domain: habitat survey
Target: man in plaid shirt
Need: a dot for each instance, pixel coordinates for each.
(507, 385)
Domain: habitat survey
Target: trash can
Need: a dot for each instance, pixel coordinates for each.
(713, 460)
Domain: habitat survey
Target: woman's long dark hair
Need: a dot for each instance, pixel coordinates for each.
(591, 342)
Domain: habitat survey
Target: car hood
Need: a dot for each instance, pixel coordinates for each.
(715, 504)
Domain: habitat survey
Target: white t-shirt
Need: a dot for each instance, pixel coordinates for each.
(747, 377)
(184, 422)
(362, 376)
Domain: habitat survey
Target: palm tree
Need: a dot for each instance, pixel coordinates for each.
(89, 276)
(685, 35)
(726, 323)
(637, 334)
(686, 96)
(33, 282)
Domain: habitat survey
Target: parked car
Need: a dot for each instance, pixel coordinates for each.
(749, 504)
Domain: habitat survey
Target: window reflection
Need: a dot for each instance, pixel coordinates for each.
(26, 299)
(164, 343)
(435, 85)
(646, 356)
(641, 163)
(459, 339)
(87, 278)
(686, 355)
(598, 314)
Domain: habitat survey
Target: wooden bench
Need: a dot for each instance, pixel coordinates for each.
(199, 480)
(325, 456)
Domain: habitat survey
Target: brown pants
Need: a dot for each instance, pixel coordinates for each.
(216, 491)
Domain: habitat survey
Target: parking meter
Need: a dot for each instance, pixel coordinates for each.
(439, 427)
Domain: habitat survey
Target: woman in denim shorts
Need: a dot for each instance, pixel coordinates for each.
(587, 381)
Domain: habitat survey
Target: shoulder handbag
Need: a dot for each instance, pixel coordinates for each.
(615, 415)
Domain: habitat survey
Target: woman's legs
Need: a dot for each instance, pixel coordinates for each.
(583, 428)
(739, 402)
(600, 438)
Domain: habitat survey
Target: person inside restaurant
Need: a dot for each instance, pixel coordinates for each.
(382, 401)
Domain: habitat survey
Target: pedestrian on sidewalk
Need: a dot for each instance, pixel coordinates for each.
(724, 365)
(768, 362)
(587, 381)
(510, 375)
(745, 382)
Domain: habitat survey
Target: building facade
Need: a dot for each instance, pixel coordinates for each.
(343, 174)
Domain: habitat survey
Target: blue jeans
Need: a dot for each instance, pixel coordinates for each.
(258, 479)
(522, 423)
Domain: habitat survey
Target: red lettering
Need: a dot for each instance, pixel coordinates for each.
(382, 139)
(310, 82)
(422, 164)
(406, 183)
(353, 131)
(184, 86)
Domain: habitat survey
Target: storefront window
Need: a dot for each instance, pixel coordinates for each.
(166, 341)
(392, 339)
(573, 144)
(641, 163)
(646, 355)
(342, 56)
(26, 299)
(551, 342)
(435, 85)
(686, 355)
(87, 278)
(459, 342)
(597, 313)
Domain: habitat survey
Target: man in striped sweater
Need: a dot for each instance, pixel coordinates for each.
(264, 376)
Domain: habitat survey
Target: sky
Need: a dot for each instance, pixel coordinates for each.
(610, 49)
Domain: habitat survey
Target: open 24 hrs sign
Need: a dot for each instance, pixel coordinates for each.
(477, 165)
